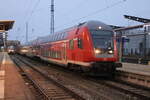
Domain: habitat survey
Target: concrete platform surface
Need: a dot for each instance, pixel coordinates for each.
(136, 68)
(12, 86)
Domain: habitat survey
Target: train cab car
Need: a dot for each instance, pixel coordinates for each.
(25, 50)
(93, 45)
(90, 46)
(11, 49)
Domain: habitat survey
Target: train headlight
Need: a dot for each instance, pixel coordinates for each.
(24, 51)
(99, 27)
(110, 51)
(97, 51)
(10, 50)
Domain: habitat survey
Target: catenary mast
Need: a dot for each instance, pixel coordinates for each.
(52, 17)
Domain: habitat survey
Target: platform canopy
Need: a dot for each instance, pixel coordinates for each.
(6, 25)
(138, 19)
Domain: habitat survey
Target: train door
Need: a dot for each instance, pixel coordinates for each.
(64, 55)
(79, 49)
(72, 51)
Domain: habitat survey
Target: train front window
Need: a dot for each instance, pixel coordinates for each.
(102, 39)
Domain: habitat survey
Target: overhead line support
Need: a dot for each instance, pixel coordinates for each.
(52, 17)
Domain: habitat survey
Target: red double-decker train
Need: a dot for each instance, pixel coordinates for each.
(90, 46)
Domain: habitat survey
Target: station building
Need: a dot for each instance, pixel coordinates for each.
(134, 43)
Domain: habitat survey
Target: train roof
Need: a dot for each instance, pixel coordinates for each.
(61, 35)
(94, 25)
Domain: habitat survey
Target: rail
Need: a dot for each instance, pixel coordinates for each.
(73, 96)
(134, 78)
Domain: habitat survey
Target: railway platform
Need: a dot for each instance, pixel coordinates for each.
(136, 68)
(134, 73)
(12, 85)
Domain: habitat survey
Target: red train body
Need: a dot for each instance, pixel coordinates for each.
(90, 46)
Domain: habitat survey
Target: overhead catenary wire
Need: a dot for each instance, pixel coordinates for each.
(75, 20)
(80, 4)
(95, 12)
(33, 10)
(29, 15)
(91, 14)
(27, 22)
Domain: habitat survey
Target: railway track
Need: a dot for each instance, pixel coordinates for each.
(98, 88)
(47, 88)
(141, 79)
(135, 92)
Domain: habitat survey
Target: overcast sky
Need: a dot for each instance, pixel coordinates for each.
(68, 13)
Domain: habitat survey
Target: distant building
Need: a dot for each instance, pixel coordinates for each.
(135, 41)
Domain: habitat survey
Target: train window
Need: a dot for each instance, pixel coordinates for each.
(55, 37)
(65, 35)
(59, 54)
(46, 53)
(62, 36)
(58, 37)
(55, 54)
(80, 43)
(51, 38)
(49, 53)
(71, 44)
